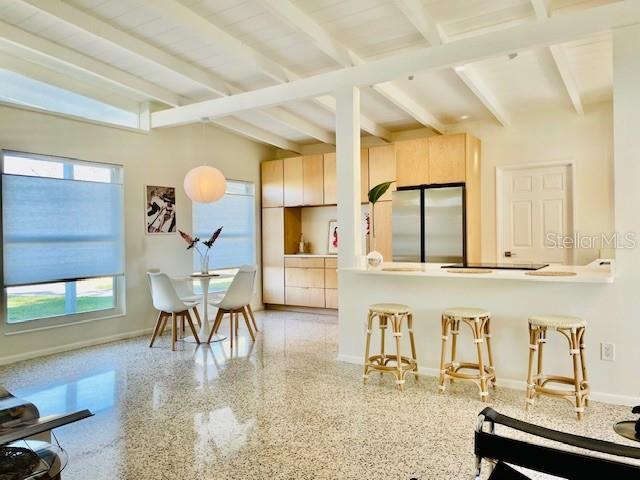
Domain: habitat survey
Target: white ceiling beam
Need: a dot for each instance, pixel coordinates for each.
(86, 64)
(551, 31)
(417, 14)
(304, 24)
(175, 11)
(256, 133)
(542, 11)
(171, 63)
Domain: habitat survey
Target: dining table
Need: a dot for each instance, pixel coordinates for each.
(205, 327)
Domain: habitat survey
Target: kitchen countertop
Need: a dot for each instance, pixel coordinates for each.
(311, 255)
(591, 273)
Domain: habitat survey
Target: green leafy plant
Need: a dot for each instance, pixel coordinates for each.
(374, 195)
(378, 191)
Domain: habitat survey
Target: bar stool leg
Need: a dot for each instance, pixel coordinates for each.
(367, 362)
(487, 336)
(443, 351)
(397, 333)
(455, 330)
(413, 345)
(477, 327)
(383, 319)
(542, 339)
(533, 348)
(583, 364)
(575, 352)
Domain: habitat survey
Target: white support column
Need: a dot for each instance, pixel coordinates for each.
(348, 175)
(626, 118)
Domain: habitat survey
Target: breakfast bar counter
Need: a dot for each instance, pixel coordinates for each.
(512, 296)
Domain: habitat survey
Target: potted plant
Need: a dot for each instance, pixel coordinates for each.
(374, 258)
(193, 243)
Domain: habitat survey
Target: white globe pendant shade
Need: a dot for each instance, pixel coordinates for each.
(205, 184)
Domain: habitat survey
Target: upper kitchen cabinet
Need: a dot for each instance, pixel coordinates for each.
(382, 167)
(447, 158)
(293, 181)
(312, 180)
(330, 192)
(303, 181)
(272, 183)
(412, 162)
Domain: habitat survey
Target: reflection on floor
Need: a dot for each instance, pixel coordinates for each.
(282, 408)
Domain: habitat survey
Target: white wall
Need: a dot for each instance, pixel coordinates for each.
(161, 157)
(552, 136)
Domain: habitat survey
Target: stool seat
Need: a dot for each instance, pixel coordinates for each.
(466, 312)
(390, 308)
(556, 321)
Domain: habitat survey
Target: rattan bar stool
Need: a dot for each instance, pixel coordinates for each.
(479, 321)
(391, 314)
(572, 328)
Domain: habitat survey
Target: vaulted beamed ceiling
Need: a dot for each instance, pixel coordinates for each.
(177, 52)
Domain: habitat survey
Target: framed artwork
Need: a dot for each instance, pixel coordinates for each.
(333, 237)
(160, 215)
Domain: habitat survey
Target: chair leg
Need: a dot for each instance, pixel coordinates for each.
(182, 326)
(383, 320)
(478, 328)
(533, 347)
(174, 331)
(443, 351)
(367, 346)
(231, 335)
(542, 339)
(583, 364)
(197, 315)
(413, 345)
(455, 331)
(487, 337)
(236, 323)
(397, 333)
(216, 324)
(156, 330)
(253, 319)
(191, 326)
(575, 353)
(248, 323)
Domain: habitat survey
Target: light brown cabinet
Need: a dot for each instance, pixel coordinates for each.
(382, 167)
(381, 241)
(447, 158)
(312, 180)
(412, 162)
(331, 298)
(273, 255)
(305, 297)
(272, 174)
(304, 281)
(293, 181)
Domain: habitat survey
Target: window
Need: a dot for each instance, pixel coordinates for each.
(62, 234)
(235, 211)
(21, 90)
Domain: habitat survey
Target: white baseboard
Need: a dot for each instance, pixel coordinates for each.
(73, 346)
(603, 397)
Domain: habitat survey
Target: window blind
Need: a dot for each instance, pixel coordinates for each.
(61, 229)
(235, 211)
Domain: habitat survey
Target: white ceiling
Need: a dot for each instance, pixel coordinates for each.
(369, 28)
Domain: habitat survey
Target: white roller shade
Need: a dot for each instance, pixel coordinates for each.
(60, 229)
(235, 211)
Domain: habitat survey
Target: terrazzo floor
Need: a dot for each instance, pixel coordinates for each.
(282, 408)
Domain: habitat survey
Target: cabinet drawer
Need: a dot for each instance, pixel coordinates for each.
(305, 297)
(331, 298)
(304, 262)
(330, 278)
(331, 262)
(304, 277)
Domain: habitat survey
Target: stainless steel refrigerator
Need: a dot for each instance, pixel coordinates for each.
(429, 224)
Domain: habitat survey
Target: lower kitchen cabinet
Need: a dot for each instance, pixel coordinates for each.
(304, 296)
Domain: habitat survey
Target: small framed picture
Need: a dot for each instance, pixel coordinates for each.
(160, 212)
(333, 237)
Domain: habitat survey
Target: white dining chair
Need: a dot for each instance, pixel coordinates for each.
(237, 300)
(168, 303)
(184, 289)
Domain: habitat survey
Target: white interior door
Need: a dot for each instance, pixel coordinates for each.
(536, 208)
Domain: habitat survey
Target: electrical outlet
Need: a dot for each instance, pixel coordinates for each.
(608, 352)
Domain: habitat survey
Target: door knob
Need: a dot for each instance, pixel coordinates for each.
(509, 254)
